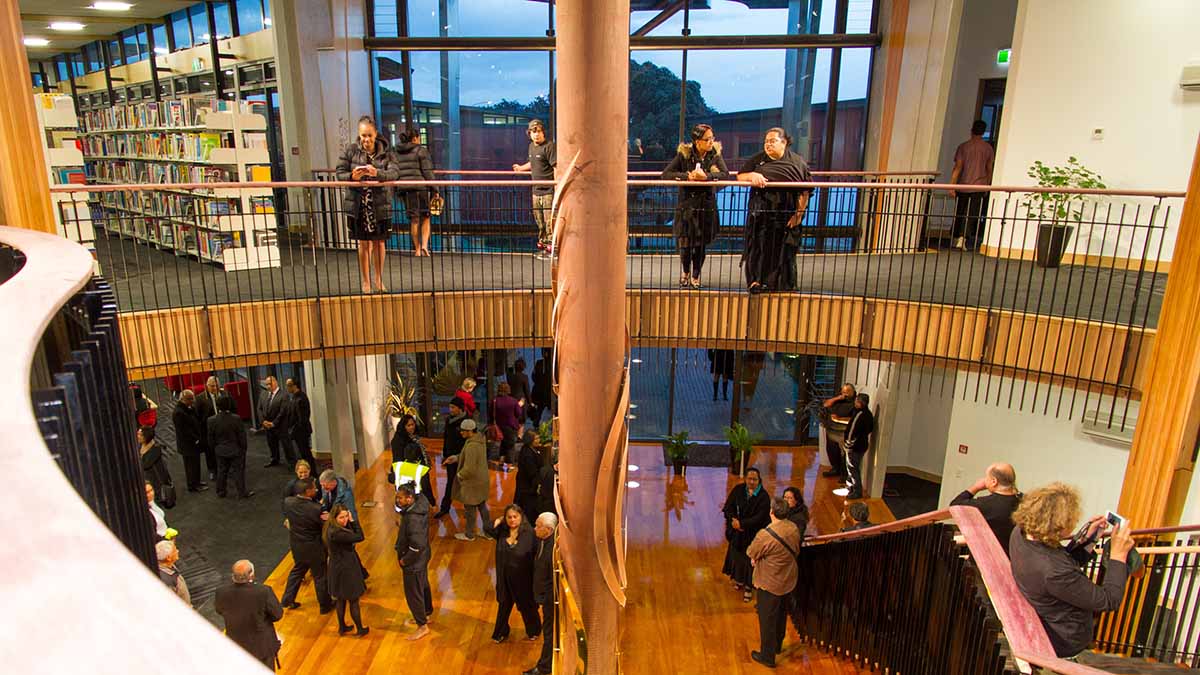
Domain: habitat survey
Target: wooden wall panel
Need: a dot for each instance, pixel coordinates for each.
(483, 318)
(268, 327)
(164, 337)
(924, 329)
(1075, 349)
(799, 320)
(383, 323)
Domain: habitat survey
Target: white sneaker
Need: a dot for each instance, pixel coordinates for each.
(960, 243)
(463, 536)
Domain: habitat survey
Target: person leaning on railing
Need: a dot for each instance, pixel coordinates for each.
(1051, 575)
(773, 217)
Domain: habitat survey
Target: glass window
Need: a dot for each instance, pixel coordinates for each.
(181, 30)
(160, 39)
(129, 40)
(37, 80)
(479, 18)
(266, 13)
(650, 391)
(60, 67)
(222, 21)
(77, 64)
(91, 52)
(114, 52)
(389, 94)
(384, 23)
(199, 21)
(700, 408)
(250, 16)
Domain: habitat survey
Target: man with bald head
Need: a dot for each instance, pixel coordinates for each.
(206, 407)
(543, 587)
(1000, 482)
(250, 610)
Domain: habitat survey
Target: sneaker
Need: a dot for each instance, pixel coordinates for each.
(463, 536)
(487, 536)
(542, 255)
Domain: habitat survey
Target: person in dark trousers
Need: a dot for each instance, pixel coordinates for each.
(773, 554)
(721, 363)
(346, 582)
(518, 382)
(529, 468)
(154, 464)
(305, 526)
(696, 221)
(541, 398)
(452, 445)
(250, 611)
(747, 510)
(998, 505)
(300, 421)
(860, 517)
(841, 408)
(206, 407)
(514, 572)
(414, 163)
(547, 479)
(506, 414)
(412, 550)
(189, 438)
(273, 418)
(369, 208)
(973, 163)
(407, 447)
(774, 216)
(858, 442)
(543, 589)
(227, 437)
(1050, 575)
(542, 163)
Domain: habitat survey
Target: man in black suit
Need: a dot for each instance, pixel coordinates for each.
(308, 550)
(250, 610)
(299, 422)
(227, 438)
(543, 589)
(272, 416)
(189, 435)
(206, 407)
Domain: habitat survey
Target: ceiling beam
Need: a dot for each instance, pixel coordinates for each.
(123, 20)
(67, 36)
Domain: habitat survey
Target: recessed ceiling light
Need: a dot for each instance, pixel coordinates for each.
(111, 6)
(36, 42)
(633, 484)
(66, 25)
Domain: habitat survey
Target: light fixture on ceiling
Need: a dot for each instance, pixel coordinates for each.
(66, 26)
(36, 42)
(104, 6)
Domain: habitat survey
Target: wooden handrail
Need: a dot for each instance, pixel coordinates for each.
(1165, 530)
(70, 547)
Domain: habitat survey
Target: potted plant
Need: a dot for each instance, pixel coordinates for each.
(677, 447)
(543, 437)
(741, 446)
(1057, 212)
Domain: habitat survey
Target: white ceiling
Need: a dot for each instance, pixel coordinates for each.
(36, 16)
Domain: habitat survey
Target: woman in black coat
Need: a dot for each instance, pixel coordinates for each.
(696, 219)
(747, 510)
(407, 447)
(369, 208)
(516, 546)
(529, 469)
(414, 163)
(345, 576)
(797, 511)
(154, 465)
(774, 216)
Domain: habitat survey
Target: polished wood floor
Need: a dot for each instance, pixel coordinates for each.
(682, 615)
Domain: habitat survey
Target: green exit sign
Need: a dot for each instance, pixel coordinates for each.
(1003, 57)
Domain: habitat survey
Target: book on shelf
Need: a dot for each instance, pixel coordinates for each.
(255, 139)
(259, 173)
(62, 138)
(216, 243)
(69, 176)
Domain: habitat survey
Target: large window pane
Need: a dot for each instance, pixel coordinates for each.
(199, 21)
(250, 16)
(477, 18)
(384, 19)
(133, 51)
(181, 29)
(654, 81)
(650, 385)
(703, 393)
(114, 52)
(222, 21)
(160, 39)
(770, 394)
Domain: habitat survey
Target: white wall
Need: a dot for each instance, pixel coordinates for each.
(1041, 447)
(986, 27)
(924, 408)
(1082, 64)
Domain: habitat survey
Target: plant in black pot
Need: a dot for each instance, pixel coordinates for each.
(1057, 213)
(676, 446)
(741, 447)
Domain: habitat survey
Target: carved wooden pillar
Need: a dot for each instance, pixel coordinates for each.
(24, 183)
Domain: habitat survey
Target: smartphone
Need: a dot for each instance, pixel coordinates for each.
(1115, 519)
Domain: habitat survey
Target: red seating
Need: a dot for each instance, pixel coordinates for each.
(187, 381)
(238, 390)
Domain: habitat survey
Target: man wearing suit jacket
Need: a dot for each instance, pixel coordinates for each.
(272, 416)
(227, 438)
(206, 407)
(304, 520)
(299, 422)
(543, 588)
(189, 438)
(249, 611)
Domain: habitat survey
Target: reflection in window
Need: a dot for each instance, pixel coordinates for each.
(384, 19)
(160, 39)
(114, 52)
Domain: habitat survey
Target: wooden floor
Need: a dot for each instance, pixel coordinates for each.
(682, 615)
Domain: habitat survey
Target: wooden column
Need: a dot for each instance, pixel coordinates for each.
(1160, 466)
(24, 183)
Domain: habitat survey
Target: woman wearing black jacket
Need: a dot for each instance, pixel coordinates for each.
(747, 511)
(345, 576)
(414, 163)
(407, 447)
(516, 546)
(696, 219)
(154, 465)
(369, 208)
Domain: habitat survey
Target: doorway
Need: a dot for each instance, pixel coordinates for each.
(989, 107)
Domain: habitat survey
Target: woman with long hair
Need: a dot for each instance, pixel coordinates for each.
(414, 163)
(774, 215)
(345, 576)
(797, 511)
(368, 160)
(515, 549)
(154, 464)
(407, 447)
(696, 222)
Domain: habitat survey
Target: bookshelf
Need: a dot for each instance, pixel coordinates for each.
(190, 140)
(60, 133)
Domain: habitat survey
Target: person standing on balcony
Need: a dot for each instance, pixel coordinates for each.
(998, 505)
(747, 510)
(273, 417)
(973, 163)
(542, 163)
(414, 163)
(858, 442)
(206, 407)
(369, 208)
(774, 216)
(773, 554)
(696, 219)
(250, 611)
(300, 422)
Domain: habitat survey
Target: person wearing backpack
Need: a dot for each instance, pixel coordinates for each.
(773, 554)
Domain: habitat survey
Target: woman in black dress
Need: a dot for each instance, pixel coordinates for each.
(797, 511)
(345, 576)
(369, 208)
(696, 220)
(747, 511)
(774, 215)
(515, 548)
(407, 447)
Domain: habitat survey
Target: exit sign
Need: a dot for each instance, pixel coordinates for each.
(1003, 57)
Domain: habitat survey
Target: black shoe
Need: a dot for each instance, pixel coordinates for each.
(342, 630)
(832, 473)
(293, 605)
(533, 671)
(854, 495)
(757, 656)
(248, 495)
(326, 610)
(500, 639)
(440, 514)
(271, 463)
(363, 631)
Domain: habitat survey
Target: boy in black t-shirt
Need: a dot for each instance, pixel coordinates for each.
(543, 159)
